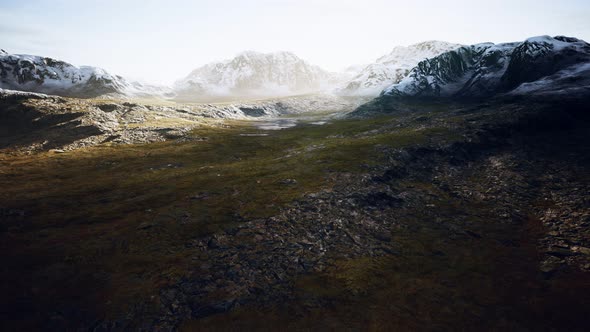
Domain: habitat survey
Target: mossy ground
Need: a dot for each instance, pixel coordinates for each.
(81, 243)
(106, 228)
(487, 280)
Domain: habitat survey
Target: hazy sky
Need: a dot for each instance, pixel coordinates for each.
(161, 41)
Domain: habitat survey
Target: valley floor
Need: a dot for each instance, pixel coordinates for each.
(32, 122)
(448, 217)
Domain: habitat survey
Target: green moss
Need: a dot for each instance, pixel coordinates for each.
(130, 210)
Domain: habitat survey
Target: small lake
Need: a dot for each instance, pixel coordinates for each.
(284, 123)
(275, 124)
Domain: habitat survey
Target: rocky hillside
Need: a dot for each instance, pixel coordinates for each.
(392, 68)
(538, 65)
(33, 73)
(474, 216)
(38, 122)
(254, 75)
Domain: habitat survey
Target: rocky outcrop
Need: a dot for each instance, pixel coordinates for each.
(32, 73)
(540, 64)
(483, 191)
(37, 122)
(392, 68)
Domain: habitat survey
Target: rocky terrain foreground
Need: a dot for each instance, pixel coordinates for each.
(430, 216)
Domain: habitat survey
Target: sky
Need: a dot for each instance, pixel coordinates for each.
(161, 41)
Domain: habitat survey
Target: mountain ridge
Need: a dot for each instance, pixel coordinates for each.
(426, 69)
(255, 74)
(487, 69)
(33, 73)
(392, 68)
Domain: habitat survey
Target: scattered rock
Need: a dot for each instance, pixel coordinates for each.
(108, 107)
(551, 264)
(7, 212)
(200, 196)
(147, 225)
(582, 250)
(213, 243)
(288, 182)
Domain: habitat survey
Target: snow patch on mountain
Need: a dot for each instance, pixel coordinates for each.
(487, 69)
(24, 72)
(392, 68)
(255, 75)
(559, 83)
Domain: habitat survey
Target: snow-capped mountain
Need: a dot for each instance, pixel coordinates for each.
(33, 73)
(392, 68)
(254, 74)
(537, 64)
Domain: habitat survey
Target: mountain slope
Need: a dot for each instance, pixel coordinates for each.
(253, 74)
(33, 73)
(484, 70)
(392, 68)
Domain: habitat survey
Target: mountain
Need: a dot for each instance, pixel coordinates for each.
(392, 68)
(33, 73)
(537, 65)
(253, 74)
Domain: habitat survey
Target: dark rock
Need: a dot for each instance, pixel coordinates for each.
(383, 236)
(473, 234)
(561, 252)
(216, 307)
(6, 212)
(288, 181)
(213, 243)
(108, 107)
(379, 199)
(147, 225)
(200, 196)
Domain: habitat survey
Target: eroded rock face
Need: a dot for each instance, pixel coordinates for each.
(47, 75)
(544, 56)
(39, 74)
(485, 70)
(392, 68)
